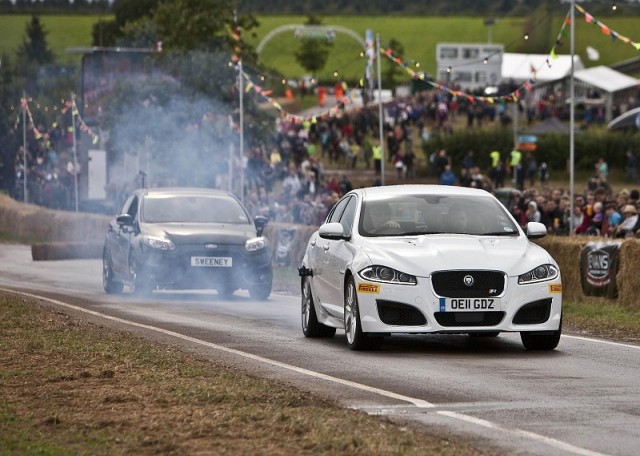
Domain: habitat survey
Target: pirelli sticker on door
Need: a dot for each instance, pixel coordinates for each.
(555, 288)
(368, 288)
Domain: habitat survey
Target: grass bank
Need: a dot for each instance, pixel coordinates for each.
(72, 387)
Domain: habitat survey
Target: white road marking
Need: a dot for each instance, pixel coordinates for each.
(417, 402)
(519, 432)
(601, 341)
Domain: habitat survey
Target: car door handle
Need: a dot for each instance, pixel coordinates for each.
(326, 247)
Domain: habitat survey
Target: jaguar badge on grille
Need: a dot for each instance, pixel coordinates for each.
(468, 280)
(211, 246)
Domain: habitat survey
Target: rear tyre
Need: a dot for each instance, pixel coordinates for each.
(109, 283)
(547, 341)
(311, 327)
(356, 339)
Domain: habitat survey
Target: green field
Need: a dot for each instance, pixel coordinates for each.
(418, 36)
(64, 32)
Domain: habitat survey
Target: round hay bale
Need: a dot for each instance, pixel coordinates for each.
(628, 279)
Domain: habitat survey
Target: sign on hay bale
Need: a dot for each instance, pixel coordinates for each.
(599, 268)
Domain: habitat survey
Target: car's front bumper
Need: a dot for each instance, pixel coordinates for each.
(391, 308)
(175, 270)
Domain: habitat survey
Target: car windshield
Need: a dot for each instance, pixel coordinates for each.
(404, 215)
(192, 209)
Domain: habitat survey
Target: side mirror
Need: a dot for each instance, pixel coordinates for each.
(536, 230)
(124, 220)
(260, 221)
(331, 231)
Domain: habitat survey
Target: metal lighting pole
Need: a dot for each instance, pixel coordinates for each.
(380, 120)
(24, 147)
(241, 90)
(571, 120)
(74, 111)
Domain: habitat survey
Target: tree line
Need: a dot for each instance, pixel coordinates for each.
(331, 7)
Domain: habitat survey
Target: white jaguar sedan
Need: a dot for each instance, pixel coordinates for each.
(428, 259)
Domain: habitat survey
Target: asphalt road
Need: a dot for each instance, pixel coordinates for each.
(583, 398)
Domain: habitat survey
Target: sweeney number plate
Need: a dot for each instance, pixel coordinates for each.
(213, 262)
(468, 304)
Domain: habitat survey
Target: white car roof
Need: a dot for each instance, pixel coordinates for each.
(421, 189)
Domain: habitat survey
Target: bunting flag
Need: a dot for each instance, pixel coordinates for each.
(83, 126)
(235, 34)
(265, 94)
(606, 30)
(24, 104)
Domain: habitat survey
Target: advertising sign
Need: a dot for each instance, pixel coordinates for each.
(598, 269)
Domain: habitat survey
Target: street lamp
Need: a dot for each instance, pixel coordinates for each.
(489, 22)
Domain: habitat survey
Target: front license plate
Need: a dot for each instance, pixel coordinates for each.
(212, 262)
(468, 304)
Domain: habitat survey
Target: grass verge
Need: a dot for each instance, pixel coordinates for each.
(73, 387)
(604, 318)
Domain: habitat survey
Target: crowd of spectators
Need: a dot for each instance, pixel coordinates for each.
(286, 179)
(50, 168)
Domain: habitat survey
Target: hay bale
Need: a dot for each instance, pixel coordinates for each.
(34, 222)
(50, 251)
(566, 252)
(628, 278)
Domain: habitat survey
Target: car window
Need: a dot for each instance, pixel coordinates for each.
(127, 204)
(348, 216)
(435, 214)
(336, 212)
(193, 209)
(344, 213)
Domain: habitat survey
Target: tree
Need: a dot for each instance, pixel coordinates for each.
(111, 33)
(8, 139)
(34, 48)
(313, 51)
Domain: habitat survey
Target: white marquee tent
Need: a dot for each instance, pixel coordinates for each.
(518, 67)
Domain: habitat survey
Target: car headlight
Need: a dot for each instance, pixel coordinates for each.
(388, 275)
(159, 243)
(255, 244)
(539, 274)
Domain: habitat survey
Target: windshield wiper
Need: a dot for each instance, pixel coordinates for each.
(499, 233)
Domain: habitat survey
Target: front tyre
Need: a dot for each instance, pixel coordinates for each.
(261, 292)
(356, 339)
(139, 284)
(311, 327)
(109, 283)
(547, 341)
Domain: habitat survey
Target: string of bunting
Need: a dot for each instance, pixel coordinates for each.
(606, 29)
(83, 126)
(24, 104)
(514, 96)
(331, 112)
(38, 135)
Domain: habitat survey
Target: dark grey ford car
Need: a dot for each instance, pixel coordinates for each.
(186, 238)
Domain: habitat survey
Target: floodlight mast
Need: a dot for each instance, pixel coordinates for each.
(572, 120)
